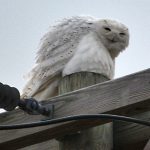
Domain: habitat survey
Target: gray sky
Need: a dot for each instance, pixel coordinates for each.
(23, 22)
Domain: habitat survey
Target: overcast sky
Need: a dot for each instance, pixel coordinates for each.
(23, 22)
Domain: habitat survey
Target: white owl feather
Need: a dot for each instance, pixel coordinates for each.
(74, 45)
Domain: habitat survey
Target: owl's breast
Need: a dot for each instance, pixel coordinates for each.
(91, 56)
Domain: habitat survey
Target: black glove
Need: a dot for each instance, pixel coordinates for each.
(9, 97)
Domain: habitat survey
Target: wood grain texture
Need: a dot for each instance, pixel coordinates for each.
(125, 96)
(131, 136)
(79, 80)
(48, 145)
(147, 147)
(99, 137)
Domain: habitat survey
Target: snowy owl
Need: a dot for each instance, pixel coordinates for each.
(74, 45)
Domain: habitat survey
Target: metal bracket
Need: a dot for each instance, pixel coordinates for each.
(33, 107)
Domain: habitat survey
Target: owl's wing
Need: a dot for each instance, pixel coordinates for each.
(57, 48)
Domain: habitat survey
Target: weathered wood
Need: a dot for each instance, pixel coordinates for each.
(94, 138)
(147, 147)
(129, 136)
(124, 96)
(79, 80)
(48, 145)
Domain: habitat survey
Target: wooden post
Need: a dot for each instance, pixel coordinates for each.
(97, 138)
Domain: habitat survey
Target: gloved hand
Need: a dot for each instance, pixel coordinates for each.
(9, 97)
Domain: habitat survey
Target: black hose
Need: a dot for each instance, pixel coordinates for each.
(73, 118)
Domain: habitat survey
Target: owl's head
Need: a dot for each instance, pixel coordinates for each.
(114, 35)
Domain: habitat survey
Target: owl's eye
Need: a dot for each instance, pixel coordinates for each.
(122, 33)
(107, 29)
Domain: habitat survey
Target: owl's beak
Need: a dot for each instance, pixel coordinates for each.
(113, 38)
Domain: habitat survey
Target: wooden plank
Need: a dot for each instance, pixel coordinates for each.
(46, 134)
(129, 135)
(147, 147)
(124, 96)
(48, 145)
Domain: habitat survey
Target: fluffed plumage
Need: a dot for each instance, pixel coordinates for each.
(74, 45)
